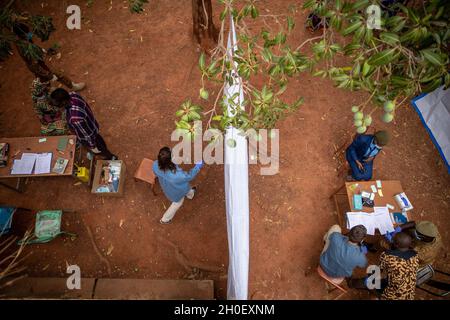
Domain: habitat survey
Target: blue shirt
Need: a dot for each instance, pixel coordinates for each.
(341, 257)
(175, 184)
(372, 151)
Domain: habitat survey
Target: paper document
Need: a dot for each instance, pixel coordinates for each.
(24, 165)
(379, 219)
(43, 163)
(384, 220)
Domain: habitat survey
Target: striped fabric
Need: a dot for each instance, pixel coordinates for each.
(81, 120)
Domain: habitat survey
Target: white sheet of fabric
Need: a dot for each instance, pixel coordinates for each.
(434, 111)
(236, 194)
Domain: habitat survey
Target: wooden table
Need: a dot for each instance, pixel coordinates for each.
(389, 189)
(17, 146)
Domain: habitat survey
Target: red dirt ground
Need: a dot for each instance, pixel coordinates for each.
(138, 69)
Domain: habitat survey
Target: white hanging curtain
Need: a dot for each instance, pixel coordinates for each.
(236, 190)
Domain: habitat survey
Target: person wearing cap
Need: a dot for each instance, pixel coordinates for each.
(342, 254)
(362, 151)
(427, 240)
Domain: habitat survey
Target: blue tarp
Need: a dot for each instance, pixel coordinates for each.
(434, 112)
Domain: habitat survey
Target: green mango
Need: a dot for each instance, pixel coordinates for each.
(359, 115)
(204, 94)
(388, 117)
(389, 106)
(367, 120)
(361, 129)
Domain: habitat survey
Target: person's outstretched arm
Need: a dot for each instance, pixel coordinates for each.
(188, 176)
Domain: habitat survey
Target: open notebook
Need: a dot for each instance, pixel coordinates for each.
(379, 219)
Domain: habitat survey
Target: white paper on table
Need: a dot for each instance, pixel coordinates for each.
(370, 227)
(357, 218)
(25, 164)
(29, 156)
(383, 219)
(43, 163)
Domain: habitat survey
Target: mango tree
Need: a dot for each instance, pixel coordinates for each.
(262, 56)
(407, 55)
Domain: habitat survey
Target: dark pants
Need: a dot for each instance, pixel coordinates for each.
(101, 145)
(360, 283)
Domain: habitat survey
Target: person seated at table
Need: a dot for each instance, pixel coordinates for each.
(342, 254)
(362, 151)
(52, 118)
(427, 241)
(398, 267)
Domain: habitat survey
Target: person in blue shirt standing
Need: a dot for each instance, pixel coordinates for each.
(362, 151)
(174, 182)
(341, 254)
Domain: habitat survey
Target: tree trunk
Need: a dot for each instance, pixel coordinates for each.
(204, 29)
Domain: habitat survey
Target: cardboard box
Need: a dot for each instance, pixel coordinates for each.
(97, 178)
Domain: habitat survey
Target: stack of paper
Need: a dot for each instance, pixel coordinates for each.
(40, 162)
(25, 164)
(379, 219)
(43, 163)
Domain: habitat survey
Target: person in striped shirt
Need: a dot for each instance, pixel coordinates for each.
(81, 120)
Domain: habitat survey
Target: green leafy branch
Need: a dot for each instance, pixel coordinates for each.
(261, 55)
(407, 56)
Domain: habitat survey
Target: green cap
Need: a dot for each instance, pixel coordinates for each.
(427, 228)
(382, 138)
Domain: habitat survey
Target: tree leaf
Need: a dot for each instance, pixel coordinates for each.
(201, 61)
(432, 57)
(309, 4)
(383, 57)
(390, 38)
(366, 68)
(352, 28)
(360, 4)
(254, 12)
(290, 23)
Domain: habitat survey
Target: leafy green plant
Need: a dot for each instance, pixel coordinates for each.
(41, 26)
(260, 55)
(407, 56)
(137, 6)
